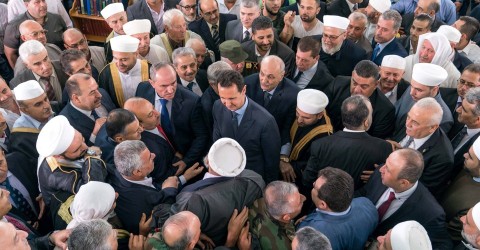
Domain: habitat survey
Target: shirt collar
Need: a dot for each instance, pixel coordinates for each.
(147, 181)
(152, 10)
(185, 83)
(353, 131)
(390, 93)
(85, 112)
(258, 54)
(419, 142)
(472, 131)
(37, 77)
(405, 194)
(241, 110)
(208, 176)
(476, 179)
(249, 31)
(34, 122)
(383, 45)
(210, 25)
(335, 213)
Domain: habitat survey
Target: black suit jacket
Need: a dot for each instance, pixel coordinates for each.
(393, 48)
(340, 8)
(282, 104)
(461, 61)
(407, 21)
(322, 78)
(191, 136)
(257, 134)
(106, 144)
(200, 27)
(140, 10)
(200, 78)
(383, 110)
(208, 98)
(28, 75)
(405, 42)
(402, 86)
(344, 60)
(420, 206)
(163, 156)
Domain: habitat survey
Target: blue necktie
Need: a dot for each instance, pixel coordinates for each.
(375, 51)
(20, 201)
(235, 122)
(165, 119)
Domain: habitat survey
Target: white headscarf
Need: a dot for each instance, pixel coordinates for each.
(440, 44)
(93, 201)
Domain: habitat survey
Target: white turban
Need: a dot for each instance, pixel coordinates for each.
(111, 10)
(55, 137)
(440, 44)
(410, 235)
(227, 157)
(311, 101)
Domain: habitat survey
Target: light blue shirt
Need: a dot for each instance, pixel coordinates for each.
(26, 121)
(447, 11)
(241, 111)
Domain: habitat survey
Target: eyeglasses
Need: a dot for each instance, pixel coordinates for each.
(467, 84)
(83, 41)
(189, 7)
(211, 13)
(332, 38)
(36, 33)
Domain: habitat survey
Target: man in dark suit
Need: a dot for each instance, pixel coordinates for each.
(311, 73)
(88, 108)
(429, 9)
(385, 42)
(331, 150)
(391, 83)
(211, 27)
(345, 7)
(263, 42)
(142, 9)
(338, 53)
(277, 94)
(241, 30)
(188, 73)
(421, 24)
(398, 195)
(240, 118)
(181, 115)
(362, 82)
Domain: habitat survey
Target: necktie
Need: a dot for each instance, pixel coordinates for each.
(246, 36)
(190, 86)
(266, 98)
(355, 7)
(408, 142)
(235, 122)
(215, 36)
(48, 88)
(459, 137)
(382, 209)
(165, 119)
(297, 77)
(375, 51)
(95, 115)
(20, 201)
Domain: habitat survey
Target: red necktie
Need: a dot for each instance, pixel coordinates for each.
(160, 129)
(382, 209)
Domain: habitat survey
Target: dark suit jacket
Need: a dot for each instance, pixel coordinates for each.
(461, 61)
(402, 86)
(346, 151)
(282, 104)
(106, 144)
(25, 170)
(140, 10)
(407, 21)
(234, 31)
(200, 78)
(420, 206)
(279, 49)
(393, 48)
(163, 156)
(208, 99)
(383, 110)
(28, 75)
(405, 42)
(322, 78)
(191, 136)
(344, 60)
(257, 134)
(340, 8)
(200, 27)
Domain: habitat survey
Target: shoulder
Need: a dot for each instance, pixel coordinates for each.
(227, 17)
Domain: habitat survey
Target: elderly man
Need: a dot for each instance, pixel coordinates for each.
(151, 10)
(31, 30)
(468, 27)
(87, 109)
(91, 234)
(264, 44)
(271, 217)
(233, 54)
(338, 53)
(407, 235)
(338, 215)
(204, 56)
(65, 162)
(12, 238)
(175, 34)
(192, 78)
(212, 26)
(189, 10)
(309, 238)
(330, 150)
(122, 76)
(356, 28)
(140, 29)
(75, 39)
(41, 69)
(362, 82)
(180, 115)
(384, 39)
(421, 24)
(470, 230)
(429, 7)
(241, 30)
(398, 196)
(391, 83)
(8, 106)
(36, 111)
(52, 24)
(301, 25)
(137, 192)
(373, 11)
(460, 60)
(115, 16)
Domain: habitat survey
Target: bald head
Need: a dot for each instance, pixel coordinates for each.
(31, 30)
(145, 112)
(135, 104)
(182, 230)
(73, 38)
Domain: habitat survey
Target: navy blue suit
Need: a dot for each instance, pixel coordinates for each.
(164, 155)
(191, 135)
(106, 144)
(343, 61)
(393, 48)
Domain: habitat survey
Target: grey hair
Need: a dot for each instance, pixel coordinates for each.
(358, 16)
(310, 239)
(127, 156)
(181, 52)
(249, 4)
(169, 15)
(393, 15)
(274, 59)
(413, 164)
(215, 68)
(276, 198)
(92, 234)
(473, 97)
(23, 26)
(431, 106)
(182, 222)
(30, 47)
(191, 41)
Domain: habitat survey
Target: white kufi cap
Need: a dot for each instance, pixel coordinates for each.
(28, 90)
(429, 74)
(311, 101)
(338, 22)
(394, 61)
(476, 148)
(380, 5)
(137, 26)
(476, 215)
(452, 34)
(55, 137)
(410, 235)
(124, 43)
(227, 157)
(111, 10)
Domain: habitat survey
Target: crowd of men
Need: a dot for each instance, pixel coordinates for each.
(241, 124)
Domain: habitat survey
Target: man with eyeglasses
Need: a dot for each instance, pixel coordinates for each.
(211, 27)
(73, 38)
(385, 42)
(338, 53)
(189, 10)
(153, 10)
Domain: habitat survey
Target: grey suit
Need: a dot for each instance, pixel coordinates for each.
(234, 31)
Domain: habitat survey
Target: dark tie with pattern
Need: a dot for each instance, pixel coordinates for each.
(408, 142)
(165, 119)
(297, 77)
(235, 122)
(215, 36)
(48, 88)
(382, 209)
(20, 201)
(459, 137)
(95, 115)
(190, 86)
(246, 36)
(266, 98)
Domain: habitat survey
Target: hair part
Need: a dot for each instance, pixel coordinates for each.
(214, 70)
(422, 17)
(181, 221)
(68, 56)
(470, 27)
(117, 122)
(275, 60)
(169, 15)
(358, 16)
(181, 52)
(394, 16)
(30, 47)
(72, 85)
(430, 106)
(367, 69)
(261, 23)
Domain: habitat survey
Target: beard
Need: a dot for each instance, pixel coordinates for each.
(331, 50)
(307, 19)
(270, 11)
(470, 238)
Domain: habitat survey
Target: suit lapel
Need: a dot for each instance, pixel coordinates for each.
(246, 122)
(430, 142)
(207, 34)
(145, 9)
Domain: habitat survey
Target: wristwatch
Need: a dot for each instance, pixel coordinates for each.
(284, 159)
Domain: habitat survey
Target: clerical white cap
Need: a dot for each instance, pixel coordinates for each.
(55, 137)
(394, 61)
(452, 34)
(137, 26)
(111, 10)
(227, 157)
(311, 101)
(28, 90)
(410, 235)
(476, 148)
(380, 5)
(476, 215)
(124, 43)
(429, 74)
(338, 22)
